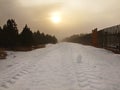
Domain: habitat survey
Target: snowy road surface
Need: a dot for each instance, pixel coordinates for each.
(63, 66)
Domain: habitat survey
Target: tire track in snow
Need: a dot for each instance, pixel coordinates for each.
(89, 75)
(85, 76)
(84, 73)
(12, 74)
(66, 72)
(81, 77)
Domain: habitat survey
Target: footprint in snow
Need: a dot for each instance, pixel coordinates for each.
(79, 59)
(11, 81)
(15, 77)
(4, 85)
(9, 65)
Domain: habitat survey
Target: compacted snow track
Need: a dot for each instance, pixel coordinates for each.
(64, 66)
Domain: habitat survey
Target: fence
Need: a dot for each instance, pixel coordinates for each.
(107, 38)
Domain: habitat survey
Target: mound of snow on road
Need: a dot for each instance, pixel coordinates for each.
(64, 66)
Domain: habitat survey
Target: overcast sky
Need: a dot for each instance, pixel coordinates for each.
(77, 16)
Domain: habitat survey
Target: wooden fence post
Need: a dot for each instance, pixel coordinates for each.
(95, 38)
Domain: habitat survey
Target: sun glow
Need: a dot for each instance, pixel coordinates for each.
(56, 17)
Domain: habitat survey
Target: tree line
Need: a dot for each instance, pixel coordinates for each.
(80, 38)
(10, 36)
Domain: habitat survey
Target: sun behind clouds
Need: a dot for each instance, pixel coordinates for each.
(55, 17)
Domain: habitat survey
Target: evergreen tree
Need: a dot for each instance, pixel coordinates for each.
(54, 40)
(10, 33)
(1, 37)
(26, 36)
(10, 38)
(36, 38)
(41, 38)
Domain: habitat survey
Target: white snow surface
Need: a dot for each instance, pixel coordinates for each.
(64, 66)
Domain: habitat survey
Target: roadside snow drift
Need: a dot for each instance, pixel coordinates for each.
(64, 66)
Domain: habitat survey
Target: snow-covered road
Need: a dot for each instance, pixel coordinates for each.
(64, 66)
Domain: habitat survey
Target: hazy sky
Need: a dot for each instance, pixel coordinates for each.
(77, 16)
